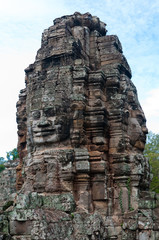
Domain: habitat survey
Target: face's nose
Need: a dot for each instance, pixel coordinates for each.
(144, 129)
(43, 123)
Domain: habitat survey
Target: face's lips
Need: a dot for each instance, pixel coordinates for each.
(143, 139)
(44, 132)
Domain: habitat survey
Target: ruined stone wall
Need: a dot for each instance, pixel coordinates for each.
(82, 131)
(8, 182)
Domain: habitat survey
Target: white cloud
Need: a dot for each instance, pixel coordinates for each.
(22, 9)
(12, 65)
(151, 108)
(30, 10)
(145, 72)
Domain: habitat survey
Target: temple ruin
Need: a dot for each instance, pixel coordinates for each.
(82, 174)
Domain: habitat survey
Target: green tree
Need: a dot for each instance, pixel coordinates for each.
(2, 160)
(2, 167)
(12, 155)
(152, 152)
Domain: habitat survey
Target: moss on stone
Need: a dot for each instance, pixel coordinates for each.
(7, 205)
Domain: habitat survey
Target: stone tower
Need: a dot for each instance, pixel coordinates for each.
(82, 173)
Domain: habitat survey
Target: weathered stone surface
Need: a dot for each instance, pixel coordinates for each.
(8, 182)
(82, 131)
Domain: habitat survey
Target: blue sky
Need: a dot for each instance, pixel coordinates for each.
(22, 22)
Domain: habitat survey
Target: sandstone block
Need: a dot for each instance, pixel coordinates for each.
(20, 228)
(82, 166)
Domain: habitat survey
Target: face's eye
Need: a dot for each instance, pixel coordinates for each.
(59, 121)
(141, 119)
(36, 115)
(49, 112)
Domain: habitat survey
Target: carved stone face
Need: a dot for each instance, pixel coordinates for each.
(49, 100)
(50, 125)
(138, 130)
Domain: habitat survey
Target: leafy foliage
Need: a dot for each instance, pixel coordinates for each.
(12, 155)
(152, 152)
(7, 205)
(2, 167)
(2, 160)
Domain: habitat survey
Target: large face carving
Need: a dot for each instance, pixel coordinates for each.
(49, 103)
(50, 125)
(137, 129)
